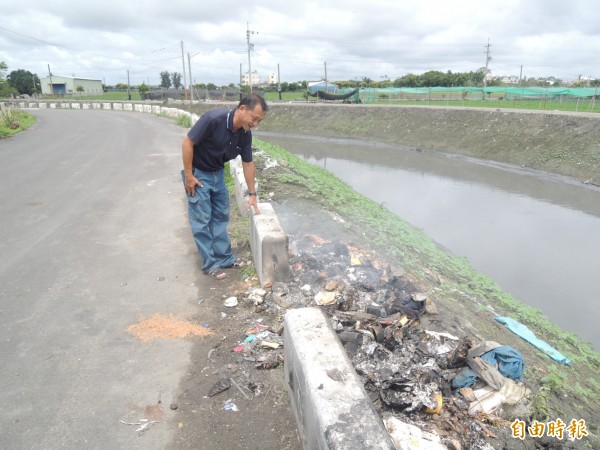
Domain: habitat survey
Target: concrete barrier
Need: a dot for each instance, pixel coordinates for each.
(118, 106)
(107, 106)
(329, 402)
(270, 246)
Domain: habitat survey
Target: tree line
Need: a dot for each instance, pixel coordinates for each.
(19, 82)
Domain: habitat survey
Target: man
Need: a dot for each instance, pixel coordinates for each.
(218, 136)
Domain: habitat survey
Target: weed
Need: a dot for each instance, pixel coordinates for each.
(184, 121)
(8, 119)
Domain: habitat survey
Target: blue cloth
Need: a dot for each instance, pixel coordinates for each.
(208, 212)
(526, 334)
(509, 361)
(506, 359)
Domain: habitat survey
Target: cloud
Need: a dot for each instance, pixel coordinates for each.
(354, 39)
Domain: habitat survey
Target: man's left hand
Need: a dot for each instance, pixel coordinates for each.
(253, 203)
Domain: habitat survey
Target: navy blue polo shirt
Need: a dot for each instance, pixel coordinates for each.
(215, 143)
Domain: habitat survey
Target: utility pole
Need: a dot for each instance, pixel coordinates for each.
(488, 58)
(325, 76)
(128, 91)
(250, 47)
(278, 82)
(51, 85)
(183, 63)
(520, 74)
(241, 81)
(191, 86)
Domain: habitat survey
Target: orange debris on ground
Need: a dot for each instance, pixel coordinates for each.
(166, 327)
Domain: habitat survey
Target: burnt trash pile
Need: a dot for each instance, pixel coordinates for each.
(442, 386)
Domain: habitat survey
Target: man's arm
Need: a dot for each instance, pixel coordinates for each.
(249, 176)
(187, 153)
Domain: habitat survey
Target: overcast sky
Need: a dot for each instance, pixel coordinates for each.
(352, 39)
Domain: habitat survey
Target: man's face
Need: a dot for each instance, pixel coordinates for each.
(251, 117)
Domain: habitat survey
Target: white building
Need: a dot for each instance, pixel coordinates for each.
(246, 78)
(57, 85)
(509, 79)
(271, 79)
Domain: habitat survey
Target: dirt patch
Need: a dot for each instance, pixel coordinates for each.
(166, 327)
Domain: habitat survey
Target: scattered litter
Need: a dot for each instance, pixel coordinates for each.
(142, 425)
(409, 437)
(200, 301)
(325, 298)
(230, 406)
(239, 348)
(231, 302)
(239, 388)
(221, 386)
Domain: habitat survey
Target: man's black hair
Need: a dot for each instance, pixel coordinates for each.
(251, 100)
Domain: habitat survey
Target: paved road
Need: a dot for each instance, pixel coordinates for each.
(93, 235)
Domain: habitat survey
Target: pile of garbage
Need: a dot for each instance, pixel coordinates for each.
(452, 389)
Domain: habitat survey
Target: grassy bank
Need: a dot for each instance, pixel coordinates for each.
(13, 121)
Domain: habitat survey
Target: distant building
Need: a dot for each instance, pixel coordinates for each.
(246, 79)
(271, 79)
(58, 85)
(509, 79)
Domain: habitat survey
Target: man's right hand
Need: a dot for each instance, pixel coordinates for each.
(190, 184)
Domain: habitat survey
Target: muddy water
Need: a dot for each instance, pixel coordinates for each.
(536, 235)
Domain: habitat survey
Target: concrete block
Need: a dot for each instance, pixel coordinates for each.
(65, 105)
(85, 106)
(156, 109)
(195, 118)
(270, 245)
(241, 187)
(21, 105)
(331, 407)
(75, 106)
(43, 105)
(138, 108)
(32, 105)
(52, 105)
(118, 106)
(106, 105)
(127, 107)
(147, 108)
(96, 106)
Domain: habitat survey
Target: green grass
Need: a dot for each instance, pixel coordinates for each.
(14, 121)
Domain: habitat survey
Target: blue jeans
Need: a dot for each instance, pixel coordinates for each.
(208, 211)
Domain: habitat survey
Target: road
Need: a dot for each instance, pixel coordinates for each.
(94, 236)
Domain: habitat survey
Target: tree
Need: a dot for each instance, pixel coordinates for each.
(165, 79)
(176, 76)
(24, 81)
(6, 90)
(120, 86)
(80, 90)
(143, 90)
